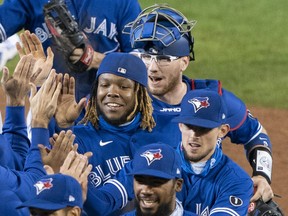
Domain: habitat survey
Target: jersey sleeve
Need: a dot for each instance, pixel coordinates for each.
(14, 16)
(112, 196)
(15, 134)
(34, 161)
(128, 13)
(233, 198)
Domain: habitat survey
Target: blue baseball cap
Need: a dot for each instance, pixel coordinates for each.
(202, 108)
(125, 65)
(158, 160)
(54, 192)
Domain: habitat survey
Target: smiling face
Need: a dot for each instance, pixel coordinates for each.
(199, 143)
(155, 196)
(115, 98)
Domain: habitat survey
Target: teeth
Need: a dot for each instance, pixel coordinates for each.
(113, 105)
(148, 203)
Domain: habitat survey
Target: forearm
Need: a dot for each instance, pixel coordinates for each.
(34, 161)
(15, 132)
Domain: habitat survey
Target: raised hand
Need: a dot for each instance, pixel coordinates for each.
(44, 102)
(76, 165)
(16, 86)
(32, 44)
(62, 144)
(68, 110)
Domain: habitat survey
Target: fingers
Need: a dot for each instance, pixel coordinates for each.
(5, 75)
(81, 105)
(49, 170)
(67, 163)
(50, 56)
(20, 51)
(37, 45)
(262, 189)
(33, 91)
(76, 165)
(64, 142)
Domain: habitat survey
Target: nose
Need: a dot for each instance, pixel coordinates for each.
(146, 189)
(113, 91)
(153, 66)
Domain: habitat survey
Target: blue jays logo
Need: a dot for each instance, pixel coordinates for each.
(199, 103)
(152, 155)
(43, 184)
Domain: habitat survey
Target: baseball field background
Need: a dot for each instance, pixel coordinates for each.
(245, 45)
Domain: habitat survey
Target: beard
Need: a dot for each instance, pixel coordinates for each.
(163, 210)
(159, 92)
(194, 159)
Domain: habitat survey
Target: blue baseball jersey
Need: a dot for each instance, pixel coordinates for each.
(101, 21)
(110, 147)
(243, 126)
(14, 142)
(18, 185)
(225, 190)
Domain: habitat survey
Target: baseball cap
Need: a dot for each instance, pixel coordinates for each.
(54, 192)
(202, 108)
(158, 160)
(125, 65)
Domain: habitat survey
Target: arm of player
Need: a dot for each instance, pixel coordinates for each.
(16, 88)
(248, 131)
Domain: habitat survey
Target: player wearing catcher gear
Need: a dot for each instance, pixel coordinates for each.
(163, 38)
(101, 22)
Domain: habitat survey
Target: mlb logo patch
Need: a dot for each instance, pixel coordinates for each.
(199, 103)
(152, 155)
(122, 70)
(42, 185)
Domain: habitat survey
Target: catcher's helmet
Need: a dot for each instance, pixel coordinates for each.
(160, 29)
(260, 208)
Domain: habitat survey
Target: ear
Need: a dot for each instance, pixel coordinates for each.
(184, 63)
(180, 125)
(75, 211)
(224, 129)
(178, 185)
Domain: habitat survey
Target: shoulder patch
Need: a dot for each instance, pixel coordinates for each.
(235, 201)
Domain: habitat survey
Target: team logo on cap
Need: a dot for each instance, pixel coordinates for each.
(43, 184)
(199, 103)
(152, 155)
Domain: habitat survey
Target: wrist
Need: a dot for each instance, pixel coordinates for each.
(15, 102)
(96, 61)
(39, 123)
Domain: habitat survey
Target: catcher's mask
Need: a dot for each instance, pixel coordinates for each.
(260, 208)
(160, 29)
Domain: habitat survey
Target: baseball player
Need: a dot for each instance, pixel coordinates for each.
(157, 179)
(213, 183)
(118, 107)
(163, 38)
(102, 23)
